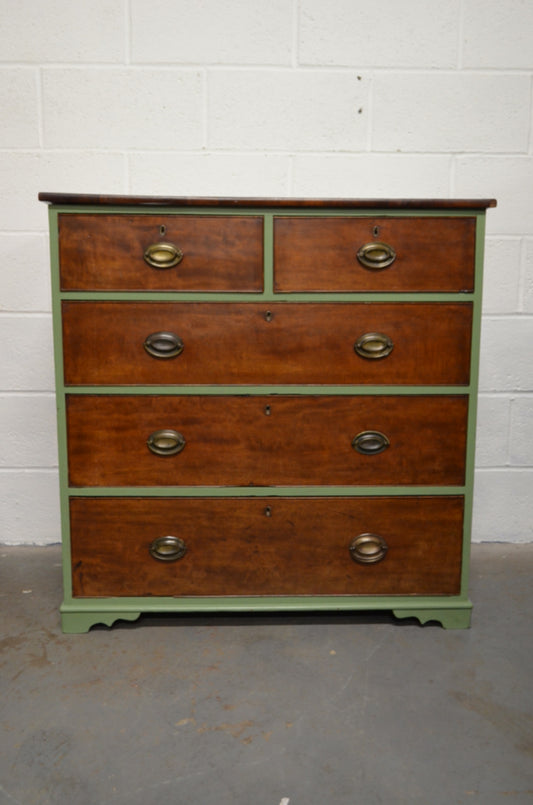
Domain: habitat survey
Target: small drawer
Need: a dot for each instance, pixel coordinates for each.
(145, 440)
(374, 254)
(160, 252)
(266, 546)
(124, 343)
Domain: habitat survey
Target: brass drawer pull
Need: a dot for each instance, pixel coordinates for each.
(163, 345)
(370, 442)
(166, 442)
(374, 346)
(376, 255)
(168, 549)
(366, 549)
(163, 255)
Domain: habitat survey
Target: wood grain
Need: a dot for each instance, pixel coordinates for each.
(235, 548)
(99, 200)
(235, 343)
(105, 252)
(265, 440)
(319, 254)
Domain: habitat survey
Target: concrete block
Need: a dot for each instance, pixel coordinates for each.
(503, 506)
(29, 507)
(123, 108)
(209, 174)
(211, 32)
(24, 174)
(521, 440)
(528, 276)
(501, 277)
(371, 175)
(384, 33)
(506, 363)
(498, 34)
(509, 179)
(29, 430)
(19, 123)
(286, 110)
(62, 31)
(26, 358)
(463, 112)
(25, 279)
(492, 437)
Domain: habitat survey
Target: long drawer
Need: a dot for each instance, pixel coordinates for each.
(187, 343)
(266, 546)
(130, 440)
(160, 252)
(374, 254)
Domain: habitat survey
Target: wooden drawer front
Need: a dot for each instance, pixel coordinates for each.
(106, 252)
(242, 343)
(320, 254)
(265, 546)
(265, 440)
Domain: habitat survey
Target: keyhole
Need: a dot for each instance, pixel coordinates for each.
(375, 231)
(268, 511)
(162, 230)
(268, 315)
(267, 410)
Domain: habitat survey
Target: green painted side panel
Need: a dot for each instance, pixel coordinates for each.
(473, 402)
(60, 404)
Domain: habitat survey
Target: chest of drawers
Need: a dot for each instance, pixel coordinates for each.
(265, 404)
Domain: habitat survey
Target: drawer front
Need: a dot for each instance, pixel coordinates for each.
(321, 254)
(266, 546)
(107, 252)
(418, 344)
(265, 440)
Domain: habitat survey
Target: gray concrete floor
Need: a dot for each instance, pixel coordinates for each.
(304, 710)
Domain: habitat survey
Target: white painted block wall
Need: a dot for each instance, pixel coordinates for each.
(356, 98)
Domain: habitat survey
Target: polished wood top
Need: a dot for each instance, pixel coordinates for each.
(88, 199)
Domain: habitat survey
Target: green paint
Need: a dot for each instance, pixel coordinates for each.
(78, 615)
(261, 491)
(226, 296)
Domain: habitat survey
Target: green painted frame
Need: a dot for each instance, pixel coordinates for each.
(453, 612)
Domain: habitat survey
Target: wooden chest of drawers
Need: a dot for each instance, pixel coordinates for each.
(265, 404)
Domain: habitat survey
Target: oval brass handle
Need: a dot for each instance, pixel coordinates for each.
(163, 345)
(374, 346)
(376, 255)
(370, 442)
(168, 549)
(166, 442)
(366, 549)
(163, 255)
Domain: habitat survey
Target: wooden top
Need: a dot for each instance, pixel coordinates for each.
(88, 199)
